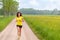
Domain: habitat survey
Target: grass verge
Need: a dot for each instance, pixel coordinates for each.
(4, 21)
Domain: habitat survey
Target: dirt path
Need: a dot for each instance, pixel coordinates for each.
(10, 32)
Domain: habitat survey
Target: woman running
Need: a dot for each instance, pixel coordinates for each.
(19, 20)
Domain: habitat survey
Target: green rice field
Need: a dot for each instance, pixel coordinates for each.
(45, 27)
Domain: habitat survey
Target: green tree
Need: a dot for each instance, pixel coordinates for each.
(9, 6)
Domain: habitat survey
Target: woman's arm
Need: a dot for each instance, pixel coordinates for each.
(16, 19)
(22, 20)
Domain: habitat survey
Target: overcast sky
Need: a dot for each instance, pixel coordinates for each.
(40, 4)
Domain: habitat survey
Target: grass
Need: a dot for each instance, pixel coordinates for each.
(4, 21)
(45, 27)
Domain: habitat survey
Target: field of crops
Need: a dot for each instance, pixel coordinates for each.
(4, 21)
(45, 27)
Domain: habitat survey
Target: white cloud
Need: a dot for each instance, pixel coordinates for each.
(40, 4)
(33, 2)
(51, 0)
(51, 4)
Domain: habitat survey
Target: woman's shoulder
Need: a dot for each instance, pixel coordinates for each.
(21, 16)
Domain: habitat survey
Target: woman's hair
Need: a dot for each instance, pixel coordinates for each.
(18, 13)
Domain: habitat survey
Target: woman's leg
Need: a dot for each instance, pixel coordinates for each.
(19, 31)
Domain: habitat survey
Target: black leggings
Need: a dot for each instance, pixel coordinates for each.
(20, 26)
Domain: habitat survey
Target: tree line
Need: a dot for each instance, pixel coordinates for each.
(40, 12)
(9, 7)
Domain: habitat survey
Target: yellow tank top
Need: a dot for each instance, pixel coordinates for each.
(19, 20)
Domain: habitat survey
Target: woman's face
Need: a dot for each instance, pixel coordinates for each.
(18, 14)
